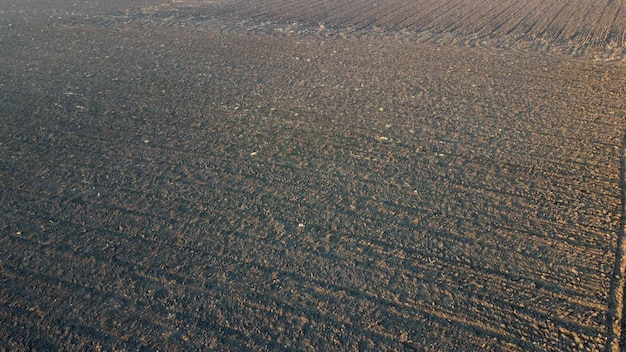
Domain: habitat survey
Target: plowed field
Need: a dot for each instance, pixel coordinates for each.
(580, 28)
(312, 175)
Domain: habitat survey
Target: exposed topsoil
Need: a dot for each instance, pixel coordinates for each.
(192, 183)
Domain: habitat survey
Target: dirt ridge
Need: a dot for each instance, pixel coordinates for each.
(616, 323)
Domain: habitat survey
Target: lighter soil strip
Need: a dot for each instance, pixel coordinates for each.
(616, 299)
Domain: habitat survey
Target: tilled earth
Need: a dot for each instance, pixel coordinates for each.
(216, 187)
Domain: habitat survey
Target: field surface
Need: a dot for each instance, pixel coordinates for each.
(312, 175)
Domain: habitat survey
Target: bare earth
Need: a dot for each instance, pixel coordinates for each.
(193, 175)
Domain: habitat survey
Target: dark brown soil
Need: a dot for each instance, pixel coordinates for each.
(177, 182)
